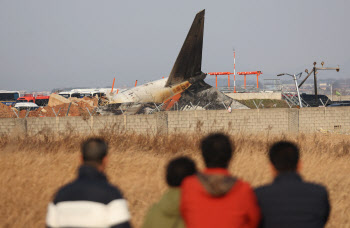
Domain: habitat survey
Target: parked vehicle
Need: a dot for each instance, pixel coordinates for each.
(42, 100)
(69, 94)
(26, 106)
(26, 98)
(8, 97)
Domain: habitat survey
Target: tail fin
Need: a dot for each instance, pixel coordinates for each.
(189, 61)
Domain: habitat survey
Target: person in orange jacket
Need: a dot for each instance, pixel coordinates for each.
(214, 198)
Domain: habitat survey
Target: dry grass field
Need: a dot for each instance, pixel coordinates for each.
(33, 167)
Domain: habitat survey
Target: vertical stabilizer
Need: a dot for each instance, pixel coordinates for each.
(189, 61)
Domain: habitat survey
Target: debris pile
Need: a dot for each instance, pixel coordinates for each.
(58, 106)
(6, 111)
(200, 95)
(76, 109)
(56, 99)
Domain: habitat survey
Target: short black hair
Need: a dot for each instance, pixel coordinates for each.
(284, 156)
(217, 150)
(179, 168)
(94, 150)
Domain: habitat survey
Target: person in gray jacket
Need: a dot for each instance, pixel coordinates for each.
(289, 201)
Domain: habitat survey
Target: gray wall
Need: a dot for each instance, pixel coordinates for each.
(250, 121)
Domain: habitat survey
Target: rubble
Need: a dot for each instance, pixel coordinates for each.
(91, 101)
(58, 106)
(79, 109)
(56, 99)
(199, 96)
(6, 111)
(202, 96)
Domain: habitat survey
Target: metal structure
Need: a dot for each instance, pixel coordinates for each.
(234, 71)
(228, 80)
(292, 99)
(250, 73)
(315, 71)
(296, 85)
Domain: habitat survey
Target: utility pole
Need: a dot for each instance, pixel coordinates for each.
(315, 83)
(315, 71)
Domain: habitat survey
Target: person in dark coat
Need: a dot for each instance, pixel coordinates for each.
(90, 200)
(289, 201)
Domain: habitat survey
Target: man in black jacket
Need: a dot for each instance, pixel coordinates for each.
(289, 201)
(89, 201)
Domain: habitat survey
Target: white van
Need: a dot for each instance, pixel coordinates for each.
(26, 106)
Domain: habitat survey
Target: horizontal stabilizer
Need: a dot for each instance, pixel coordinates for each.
(189, 61)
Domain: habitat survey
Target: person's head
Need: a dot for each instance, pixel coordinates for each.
(217, 150)
(94, 152)
(178, 169)
(284, 156)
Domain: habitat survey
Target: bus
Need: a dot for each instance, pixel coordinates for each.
(8, 97)
(68, 94)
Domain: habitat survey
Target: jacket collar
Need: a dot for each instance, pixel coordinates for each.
(288, 176)
(89, 172)
(220, 171)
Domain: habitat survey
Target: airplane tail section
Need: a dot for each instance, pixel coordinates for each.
(188, 64)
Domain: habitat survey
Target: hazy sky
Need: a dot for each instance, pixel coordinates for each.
(81, 43)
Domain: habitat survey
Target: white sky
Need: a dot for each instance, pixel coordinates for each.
(47, 44)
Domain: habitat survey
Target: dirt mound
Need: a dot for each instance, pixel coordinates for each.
(78, 109)
(91, 101)
(81, 109)
(76, 106)
(56, 99)
(6, 111)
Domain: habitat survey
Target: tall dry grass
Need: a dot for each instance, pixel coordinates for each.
(33, 167)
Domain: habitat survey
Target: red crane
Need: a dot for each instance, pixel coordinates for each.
(250, 73)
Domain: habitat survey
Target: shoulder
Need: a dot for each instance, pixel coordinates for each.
(63, 191)
(188, 181)
(316, 188)
(103, 192)
(113, 190)
(262, 189)
(243, 187)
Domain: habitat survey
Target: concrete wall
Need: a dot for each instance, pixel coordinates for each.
(250, 121)
(249, 96)
(339, 98)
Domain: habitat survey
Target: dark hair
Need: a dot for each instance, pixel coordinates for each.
(284, 156)
(94, 150)
(178, 169)
(217, 150)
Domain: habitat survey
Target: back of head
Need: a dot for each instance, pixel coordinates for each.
(284, 156)
(178, 169)
(94, 150)
(217, 150)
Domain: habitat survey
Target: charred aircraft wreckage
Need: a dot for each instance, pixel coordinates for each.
(183, 89)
